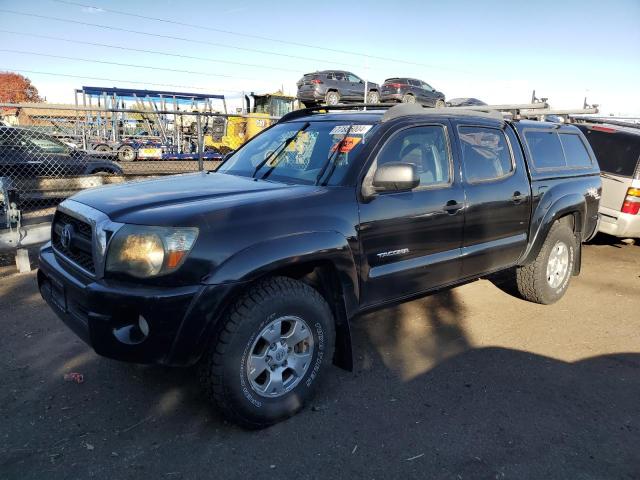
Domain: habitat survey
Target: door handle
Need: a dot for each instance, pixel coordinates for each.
(518, 197)
(452, 207)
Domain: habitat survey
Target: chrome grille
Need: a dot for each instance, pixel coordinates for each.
(79, 250)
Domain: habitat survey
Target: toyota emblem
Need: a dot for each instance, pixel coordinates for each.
(65, 236)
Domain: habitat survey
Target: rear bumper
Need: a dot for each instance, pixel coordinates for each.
(106, 315)
(619, 224)
(311, 94)
(390, 97)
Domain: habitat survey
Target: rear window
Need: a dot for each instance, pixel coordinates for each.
(617, 153)
(545, 148)
(575, 152)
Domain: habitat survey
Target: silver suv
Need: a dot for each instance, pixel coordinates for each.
(617, 148)
(335, 86)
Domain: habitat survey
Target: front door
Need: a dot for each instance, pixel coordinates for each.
(356, 88)
(411, 240)
(498, 198)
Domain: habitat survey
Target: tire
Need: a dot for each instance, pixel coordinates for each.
(332, 98)
(439, 103)
(102, 148)
(127, 153)
(373, 97)
(547, 278)
(245, 396)
(408, 98)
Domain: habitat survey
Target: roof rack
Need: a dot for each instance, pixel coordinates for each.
(326, 108)
(608, 120)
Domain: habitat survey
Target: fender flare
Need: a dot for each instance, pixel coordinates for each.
(309, 247)
(570, 204)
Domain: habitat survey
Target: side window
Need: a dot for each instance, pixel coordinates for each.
(617, 153)
(546, 150)
(426, 86)
(575, 151)
(353, 78)
(485, 154)
(414, 83)
(340, 77)
(426, 148)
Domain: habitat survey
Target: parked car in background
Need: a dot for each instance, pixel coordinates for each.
(27, 153)
(335, 86)
(618, 151)
(464, 102)
(411, 90)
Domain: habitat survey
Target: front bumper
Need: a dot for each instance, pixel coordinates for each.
(106, 314)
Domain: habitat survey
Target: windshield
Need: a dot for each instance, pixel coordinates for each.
(297, 152)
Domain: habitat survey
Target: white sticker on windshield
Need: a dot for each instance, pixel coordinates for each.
(355, 129)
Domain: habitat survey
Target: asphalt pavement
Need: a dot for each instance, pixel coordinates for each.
(470, 383)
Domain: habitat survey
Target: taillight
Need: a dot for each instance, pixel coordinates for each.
(316, 81)
(603, 129)
(395, 85)
(631, 203)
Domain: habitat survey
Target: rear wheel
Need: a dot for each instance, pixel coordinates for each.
(102, 148)
(265, 361)
(332, 98)
(373, 97)
(546, 279)
(408, 98)
(126, 153)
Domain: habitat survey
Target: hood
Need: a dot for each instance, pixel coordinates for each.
(170, 200)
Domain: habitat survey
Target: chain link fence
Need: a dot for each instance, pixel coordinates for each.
(49, 152)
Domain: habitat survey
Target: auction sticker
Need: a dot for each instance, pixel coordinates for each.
(347, 144)
(352, 129)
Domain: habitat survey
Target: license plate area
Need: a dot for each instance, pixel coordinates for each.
(58, 295)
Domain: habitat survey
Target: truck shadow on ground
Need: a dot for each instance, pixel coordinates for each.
(419, 389)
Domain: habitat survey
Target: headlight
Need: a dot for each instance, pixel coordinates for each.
(144, 251)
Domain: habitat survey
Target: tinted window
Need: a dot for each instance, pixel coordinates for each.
(425, 147)
(340, 76)
(546, 150)
(617, 153)
(575, 152)
(353, 78)
(485, 153)
(414, 83)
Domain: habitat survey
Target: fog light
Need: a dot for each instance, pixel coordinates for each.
(143, 326)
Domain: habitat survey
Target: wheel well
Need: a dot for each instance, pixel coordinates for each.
(323, 277)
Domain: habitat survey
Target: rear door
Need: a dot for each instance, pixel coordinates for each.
(356, 87)
(497, 194)
(411, 240)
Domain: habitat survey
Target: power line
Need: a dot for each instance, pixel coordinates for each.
(170, 37)
(82, 77)
(119, 64)
(155, 52)
(247, 35)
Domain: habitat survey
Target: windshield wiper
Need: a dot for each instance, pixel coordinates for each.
(331, 160)
(280, 148)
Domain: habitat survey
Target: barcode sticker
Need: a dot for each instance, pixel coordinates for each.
(353, 129)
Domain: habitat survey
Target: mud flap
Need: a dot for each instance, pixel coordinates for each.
(578, 263)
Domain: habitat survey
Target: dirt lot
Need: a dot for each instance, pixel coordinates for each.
(471, 383)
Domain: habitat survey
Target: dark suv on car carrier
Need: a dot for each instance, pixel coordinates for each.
(255, 271)
(335, 86)
(411, 90)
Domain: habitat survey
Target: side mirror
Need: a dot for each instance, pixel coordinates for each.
(396, 177)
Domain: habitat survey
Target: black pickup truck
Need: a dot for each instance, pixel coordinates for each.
(254, 272)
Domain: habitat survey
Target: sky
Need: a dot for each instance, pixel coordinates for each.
(498, 51)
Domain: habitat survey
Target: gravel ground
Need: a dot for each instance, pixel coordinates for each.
(470, 383)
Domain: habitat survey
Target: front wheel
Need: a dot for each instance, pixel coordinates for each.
(265, 362)
(440, 103)
(546, 279)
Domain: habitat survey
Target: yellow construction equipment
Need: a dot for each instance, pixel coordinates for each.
(240, 128)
